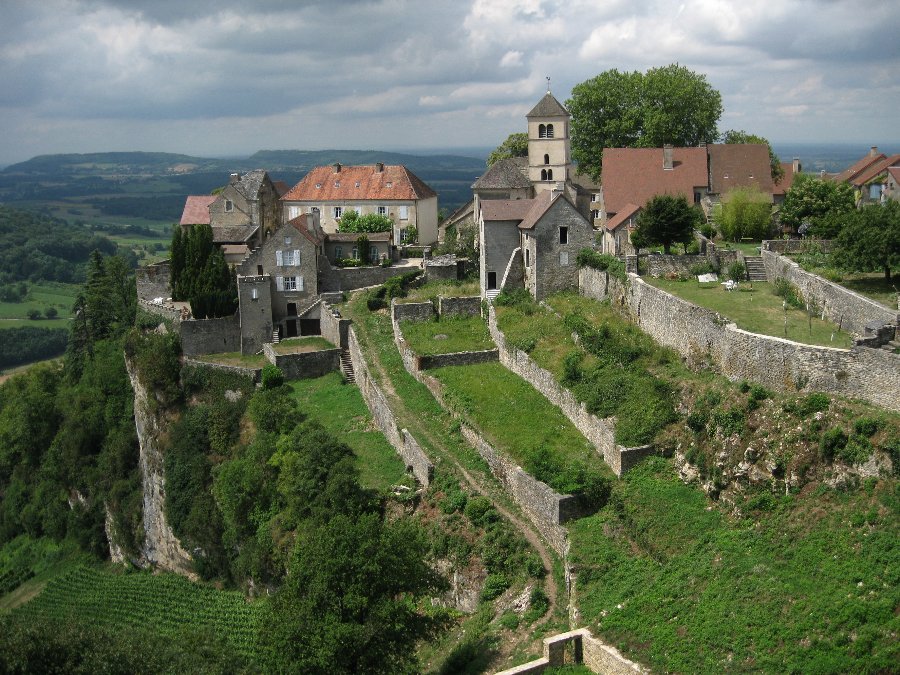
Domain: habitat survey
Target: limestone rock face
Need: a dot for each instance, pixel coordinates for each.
(161, 547)
(465, 586)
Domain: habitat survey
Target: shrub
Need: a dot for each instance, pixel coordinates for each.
(697, 421)
(708, 230)
(480, 511)
(833, 441)
(856, 450)
(494, 585)
(737, 271)
(784, 290)
(728, 422)
(538, 604)
(601, 261)
(704, 267)
(34, 314)
(272, 376)
(867, 426)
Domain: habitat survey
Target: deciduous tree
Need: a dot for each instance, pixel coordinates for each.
(515, 145)
(870, 241)
(665, 220)
(815, 201)
(744, 212)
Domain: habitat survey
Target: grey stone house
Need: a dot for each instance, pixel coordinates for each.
(278, 284)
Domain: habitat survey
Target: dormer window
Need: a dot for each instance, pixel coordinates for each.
(229, 206)
(337, 183)
(357, 183)
(389, 184)
(318, 186)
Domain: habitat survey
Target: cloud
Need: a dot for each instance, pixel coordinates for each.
(153, 73)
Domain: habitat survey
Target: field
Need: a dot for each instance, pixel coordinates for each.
(165, 604)
(447, 335)
(757, 310)
(809, 586)
(341, 410)
(41, 296)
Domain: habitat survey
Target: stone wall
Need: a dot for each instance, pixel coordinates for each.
(406, 446)
(659, 265)
(797, 245)
(350, 278)
(153, 281)
(851, 311)
(255, 374)
(462, 306)
(305, 364)
(333, 326)
(411, 311)
(702, 336)
(583, 648)
(165, 311)
(432, 361)
(599, 431)
(210, 336)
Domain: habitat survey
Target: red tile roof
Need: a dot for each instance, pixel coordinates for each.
(307, 225)
(616, 221)
(847, 175)
(636, 175)
(787, 180)
(734, 165)
(354, 183)
(196, 209)
(505, 209)
(540, 205)
(895, 173)
(875, 169)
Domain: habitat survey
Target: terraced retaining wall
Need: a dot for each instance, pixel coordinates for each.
(584, 648)
(851, 311)
(304, 364)
(404, 443)
(599, 431)
(702, 336)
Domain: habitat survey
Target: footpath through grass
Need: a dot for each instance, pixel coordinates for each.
(811, 585)
(757, 310)
(340, 408)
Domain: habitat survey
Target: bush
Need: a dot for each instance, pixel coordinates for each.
(272, 376)
(708, 230)
(538, 604)
(855, 451)
(705, 267)
(601, 261)
(737, 271)
(832, 442)
(867, 426)
(784, 290)
(494, 585)
(480, 511)
(34, 314)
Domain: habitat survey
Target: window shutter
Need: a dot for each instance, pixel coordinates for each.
(297, 257)
(299, 283)
(278, 258)
(279, 281)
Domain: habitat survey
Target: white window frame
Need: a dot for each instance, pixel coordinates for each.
(338, 252)
(382, 210)
(290, 284)
(403, 212)
(337, 211)
(294, 211)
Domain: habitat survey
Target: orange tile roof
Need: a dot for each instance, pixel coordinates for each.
(306, 225)
(875, 169)
(733, 165)
(847, 175)
(787, 180)
(636, 175)
(355, 183)
(196, 209)
(616, 221)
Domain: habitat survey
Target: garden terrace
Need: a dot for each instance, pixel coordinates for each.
(434, 289)
(340, 409)
(757, 309)
(447, 335)
(872, 285)
(234, 359)
(302, 345)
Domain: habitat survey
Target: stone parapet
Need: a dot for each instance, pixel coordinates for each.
(461, 306)
(581, 647)
(210, 336)
(254, 374)
(304, 364)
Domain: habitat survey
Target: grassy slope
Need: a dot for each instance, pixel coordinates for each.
(447, 335)
(810, 586)
(341, 410)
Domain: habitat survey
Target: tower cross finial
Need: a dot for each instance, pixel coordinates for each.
(548, 84)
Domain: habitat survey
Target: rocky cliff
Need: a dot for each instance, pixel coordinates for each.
(161, 547)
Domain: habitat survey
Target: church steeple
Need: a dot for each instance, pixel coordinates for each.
(549, 158)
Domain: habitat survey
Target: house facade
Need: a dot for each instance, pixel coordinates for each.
(391, 191)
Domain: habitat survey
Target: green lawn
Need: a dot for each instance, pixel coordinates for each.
(447, 335)
(301, 345)
(518, 421)
(448, 289)
(811, 585)
(757, 310)
(341, 410)
(41, 296)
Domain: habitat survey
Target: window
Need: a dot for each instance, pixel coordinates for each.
(403, 212)
(373, 254)
(292, 284)
(254, 293)
(287, 241)
(229, 206)
(564, 235)
(338, 252)
(287, 258)
(546, 159)
(563, 257)
(382, 210)
(355, 253)
(543, 174)
(293, 212)
(549, 174)
(338, 212)
(549, 131)
(542, 131)
(527, 258)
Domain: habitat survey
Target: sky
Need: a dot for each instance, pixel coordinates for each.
(228, 78)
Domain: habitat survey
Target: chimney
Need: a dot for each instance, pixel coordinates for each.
(379, 167)
(873, 151)
(337, 167)
(558, 188)
(235, 177)
(667, 157)
(797, 168)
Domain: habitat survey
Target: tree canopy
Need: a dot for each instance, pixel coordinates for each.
(744, 212)
(200, 273)
(870, 240)
(735, 137)
(665, 220)
(351, 221)
(817, 202)
(515, 145)
(616, 109)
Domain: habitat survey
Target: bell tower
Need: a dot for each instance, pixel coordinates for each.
(549, 159)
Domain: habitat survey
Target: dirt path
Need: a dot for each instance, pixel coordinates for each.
(525, 528)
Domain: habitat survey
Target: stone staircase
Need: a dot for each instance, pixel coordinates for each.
(756, 270)
(491, 294)
(276, 336)
(347, 366)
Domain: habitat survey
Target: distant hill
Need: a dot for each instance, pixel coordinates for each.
(104, 163)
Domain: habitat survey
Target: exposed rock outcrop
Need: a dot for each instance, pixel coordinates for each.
(161, 547)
